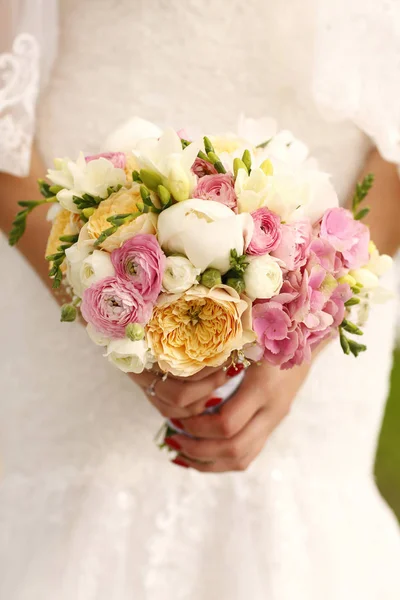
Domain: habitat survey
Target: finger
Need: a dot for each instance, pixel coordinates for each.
(232, 416)
(234, 449)
(175, 412)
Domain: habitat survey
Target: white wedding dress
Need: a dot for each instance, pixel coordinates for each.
(90, 509)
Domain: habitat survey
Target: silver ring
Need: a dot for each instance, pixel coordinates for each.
(151, 389)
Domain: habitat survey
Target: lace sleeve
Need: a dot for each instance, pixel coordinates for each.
(357, 70)
(28, 37)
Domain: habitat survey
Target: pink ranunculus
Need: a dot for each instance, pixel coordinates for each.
(141, 262)
(118, 159)
(111, 304)
(293, 249)
(220, 188)
(202, 167)
(348, 236)
(267, 232)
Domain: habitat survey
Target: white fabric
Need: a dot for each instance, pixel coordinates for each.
(89, 507)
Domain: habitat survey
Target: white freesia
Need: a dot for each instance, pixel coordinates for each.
(179, 275)
(125, 138)
(251, 190)
(95, 267)
(97, 338)
(166, 157)
(379, 264)
(263, 277)
(205, 232)
(81, 177)
(128, 356)
(74, 257)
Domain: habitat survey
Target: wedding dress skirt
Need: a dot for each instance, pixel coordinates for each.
(90, 509)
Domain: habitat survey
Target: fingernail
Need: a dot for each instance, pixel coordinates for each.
(180, 463)
(234, 370)
(172, 443)
(177, 423)
(213, 402)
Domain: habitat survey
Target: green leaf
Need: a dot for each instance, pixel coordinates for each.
(19, 223)
(264, 144)
(362, 190)
(362, 213)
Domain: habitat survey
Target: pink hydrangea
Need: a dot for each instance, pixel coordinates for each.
(118, 159)
(111, 304)
(141, 262)
(293, 248)
(347, 236)
(267, 232)
(202, 167)
(220, 188)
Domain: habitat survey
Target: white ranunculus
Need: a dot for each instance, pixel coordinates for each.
(125, 138)
(263, 277)
(81, 177)
(97, 338)
(74, 257)
(95, 267)
(128, 356)
(166, 157)
(179, 275)
(205, 232)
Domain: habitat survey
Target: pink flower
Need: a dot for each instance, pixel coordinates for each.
(267, 232)
(220, 188)
(293, 249)
(110, 305)
(118, 159)
(141, 262)
(202, 167)
(348, 236)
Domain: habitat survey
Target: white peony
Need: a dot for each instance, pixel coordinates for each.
(128, 356)
(173, 164)
(95, 267)
(179, 275)
(125, 138)
(205, 232)
(80, 177)
(263, 277)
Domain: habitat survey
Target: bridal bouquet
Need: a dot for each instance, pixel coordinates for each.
(193, 254)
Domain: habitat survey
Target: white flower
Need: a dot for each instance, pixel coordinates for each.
(366, 278)
(125, 138)
(179, 275)
(263, 277)
(74, 257)
(95, 267)
(379, 264)
(80, 177)
(251, 190)
(205, 232)
(166, 157)
(128, 356)
(97, 338)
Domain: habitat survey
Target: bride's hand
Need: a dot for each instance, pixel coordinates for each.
(232, 438)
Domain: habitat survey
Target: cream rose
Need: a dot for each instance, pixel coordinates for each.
(205, 232)
(199, 328)
(263, 277)
(122, 202)
(179, 275)
(128, 356)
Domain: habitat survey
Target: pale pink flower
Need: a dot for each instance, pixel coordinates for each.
(202, 167)
(111, 304)
(267, 232)
(220, 188)
(348, 236)
(118, 159)
(293, 249)
(141, 262)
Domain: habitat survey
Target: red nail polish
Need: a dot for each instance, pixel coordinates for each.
(180, 463)
(172, 443)
(235, 370)
(177, 423)
(213, 402)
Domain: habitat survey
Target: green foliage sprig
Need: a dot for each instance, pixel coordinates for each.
(58, 258)
(360, 194)
(19, 223)
(210, 156)
(348, 345)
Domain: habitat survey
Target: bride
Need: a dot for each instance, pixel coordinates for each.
(90, 509)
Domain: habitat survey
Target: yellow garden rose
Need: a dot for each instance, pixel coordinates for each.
(65, 223)
(131, 165)
(198, 329)
(121, 202)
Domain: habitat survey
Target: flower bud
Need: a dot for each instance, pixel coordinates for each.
(163, 194)
(88, 212)
(211, 277)
(246, 158)
(150, 179)
(238, 164)
(348, 279)
(135, 332)
(178, 182)
(267, 167)
(237, 284)
(68, 313)
(366, 278)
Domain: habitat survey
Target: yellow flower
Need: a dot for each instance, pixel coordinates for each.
(198, 329)
(119, 203)
(131, 165)
(65, 223)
